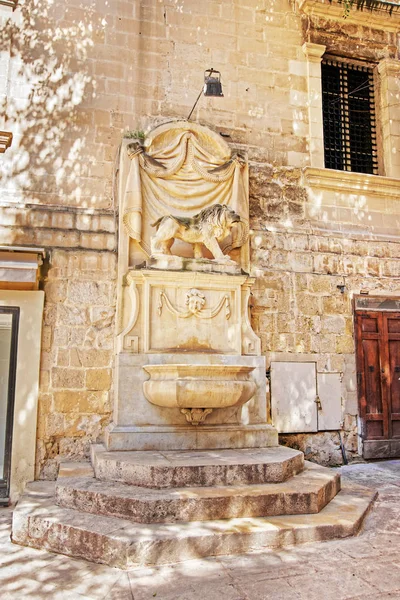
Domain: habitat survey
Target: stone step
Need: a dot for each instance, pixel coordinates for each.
(38, 522)
(307, 492)
(176, 468)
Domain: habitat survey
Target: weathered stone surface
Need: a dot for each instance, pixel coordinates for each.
(75, 469)
(323, 447)
(307, 492)
(200, 468)
(40, 523)
(169, 438)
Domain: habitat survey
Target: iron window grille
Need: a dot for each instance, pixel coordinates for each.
(348, 107)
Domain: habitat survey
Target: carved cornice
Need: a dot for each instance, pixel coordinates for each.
(366, 18)
(352, 183)
(389, 67)
(5, 140)
(313, 52)
(11, 3)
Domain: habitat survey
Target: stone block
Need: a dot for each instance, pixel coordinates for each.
(81, 402)
(98, 379)
(327, 343)
(305, 493)
(37, 522)
(93, 357)
(67, 378)
(88, 292)
(333, 324)
(54, 424)
(75, 469)
(47, 335)
(72, 315)
(56, 291)
(336, 305)
(344, 344)
(309, 304)
(176, 469)
(62, 358)
(83, 425)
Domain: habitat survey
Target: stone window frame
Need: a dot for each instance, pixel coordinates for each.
(387, 74)
(347, 67)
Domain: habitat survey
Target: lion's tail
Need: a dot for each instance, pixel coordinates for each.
(157, 223)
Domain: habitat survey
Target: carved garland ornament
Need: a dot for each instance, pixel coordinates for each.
(195, 302)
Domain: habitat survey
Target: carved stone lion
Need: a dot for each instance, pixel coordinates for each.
(209, 226)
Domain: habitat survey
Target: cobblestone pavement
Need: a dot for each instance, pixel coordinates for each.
(366, 567)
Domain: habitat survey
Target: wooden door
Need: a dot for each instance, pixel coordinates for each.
(378, 381)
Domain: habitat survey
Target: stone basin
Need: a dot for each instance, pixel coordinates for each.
(198, 389)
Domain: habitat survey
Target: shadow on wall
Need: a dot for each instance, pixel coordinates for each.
(48, 79)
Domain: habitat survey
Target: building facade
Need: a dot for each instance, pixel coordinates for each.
(312, 98)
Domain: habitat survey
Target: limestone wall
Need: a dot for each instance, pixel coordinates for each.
(130, 65)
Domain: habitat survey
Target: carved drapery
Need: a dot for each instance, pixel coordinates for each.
(182, 169)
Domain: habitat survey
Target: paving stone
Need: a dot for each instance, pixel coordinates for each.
(339, 585)
(384, 575)
(277, 589)
(121, 590)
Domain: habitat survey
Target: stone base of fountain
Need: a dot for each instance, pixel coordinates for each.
(150, 508)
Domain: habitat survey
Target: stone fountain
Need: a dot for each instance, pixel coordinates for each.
(190, 466)
(190, 374)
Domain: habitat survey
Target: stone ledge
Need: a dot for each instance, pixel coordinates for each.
(352, 183)
(366, 18)
(183, 437)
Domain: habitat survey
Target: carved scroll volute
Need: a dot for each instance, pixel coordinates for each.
(125, 341)
(251, 343)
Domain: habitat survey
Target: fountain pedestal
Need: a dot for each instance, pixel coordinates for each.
(187, 343)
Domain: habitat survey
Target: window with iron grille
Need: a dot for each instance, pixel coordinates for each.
(349, 117)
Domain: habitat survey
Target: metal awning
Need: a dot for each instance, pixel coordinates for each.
(11, 3)
(19, 267)
(5, 137)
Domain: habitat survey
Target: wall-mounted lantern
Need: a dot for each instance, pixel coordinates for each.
(212, 83)
(212, 87)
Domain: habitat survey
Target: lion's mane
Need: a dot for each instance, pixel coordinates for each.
(215, 214)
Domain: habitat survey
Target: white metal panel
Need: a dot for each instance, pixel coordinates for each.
(293, 395)
(329, 389)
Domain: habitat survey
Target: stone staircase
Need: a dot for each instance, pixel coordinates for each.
(142, 508)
